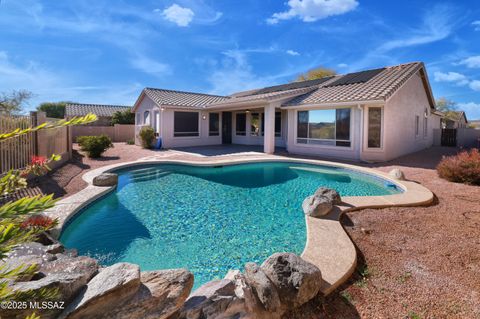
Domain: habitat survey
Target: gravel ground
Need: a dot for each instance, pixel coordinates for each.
(414, 262)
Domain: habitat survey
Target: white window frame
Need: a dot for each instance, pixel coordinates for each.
(187, 137)
(147, 117)
(325, 146)
(219, 124)
(235, 123)
(367, 124)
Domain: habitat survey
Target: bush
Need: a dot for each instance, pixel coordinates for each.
(123, 117)
(147, 135)
(94, 146)
(130, 141)
(461, 168)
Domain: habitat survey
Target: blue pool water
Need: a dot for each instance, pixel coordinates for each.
(207, 219)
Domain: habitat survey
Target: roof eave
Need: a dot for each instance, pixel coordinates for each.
(334, 104)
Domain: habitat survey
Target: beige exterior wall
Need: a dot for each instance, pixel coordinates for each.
(400, 114)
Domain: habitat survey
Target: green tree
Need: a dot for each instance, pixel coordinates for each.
(445, 105)
(13, 103)
(53, 109)
(315, 73)
(20, 221)
(123, 117)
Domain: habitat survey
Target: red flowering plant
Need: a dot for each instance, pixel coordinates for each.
(38, 222)
(461, 168)
(39, 165)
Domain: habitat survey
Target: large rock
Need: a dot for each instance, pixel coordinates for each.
(262, 287)
(397, 174)
(106, 291)
(215, 299)
(160, 295)
(297, 281)
(332, 195)
(321, 203)
(106, 179)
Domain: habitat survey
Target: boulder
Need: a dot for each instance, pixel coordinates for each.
(161, 294)
(105, 179)
(37, 249)
(215, 299)
(262, 287)
(105, 292)
(329, 193)
(232, 273)
(297, 281)
(317, 206)
(397, 174)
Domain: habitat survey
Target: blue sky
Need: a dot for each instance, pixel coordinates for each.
(106, 51)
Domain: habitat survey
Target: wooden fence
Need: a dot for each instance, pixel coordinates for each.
(17, 152)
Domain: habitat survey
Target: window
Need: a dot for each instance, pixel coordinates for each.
(425, 127)
(417, 123)
(324, 127)
(240, 123)
(374, 127)
(185, 124)
(278, 123)
(146, 118)
(213, 124)
(255, 124)
(138, 118)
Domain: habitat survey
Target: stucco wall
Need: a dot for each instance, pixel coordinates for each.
(350, 153)
(399, 120)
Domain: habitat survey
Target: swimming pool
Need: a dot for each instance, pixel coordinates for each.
(207, 219)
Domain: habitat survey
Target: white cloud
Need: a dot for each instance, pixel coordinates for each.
(313, 10)
(437, 25)
(342, 65)
(452, 77)
(475, 85)
(476, 25)
(150, 66)
(292, 52)
(471, 62)
(472, 110)
(178, 15)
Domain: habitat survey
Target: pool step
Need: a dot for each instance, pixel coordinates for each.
(146, 173)
(149, 177)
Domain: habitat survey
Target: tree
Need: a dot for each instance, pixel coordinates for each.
(53, 109)
(445, 105)
(13, 102)
(123, 117)
(316, 73)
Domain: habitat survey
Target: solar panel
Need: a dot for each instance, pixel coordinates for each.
(292, 86)
(357, 77)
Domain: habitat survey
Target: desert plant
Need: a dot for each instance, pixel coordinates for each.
(94, 146)
(123, 117)
(17, 225)
(147, 135)
(461, 168)
(130, 141)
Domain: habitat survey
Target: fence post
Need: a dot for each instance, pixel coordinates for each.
(34, 120)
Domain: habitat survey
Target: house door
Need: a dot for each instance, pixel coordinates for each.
(226, 127)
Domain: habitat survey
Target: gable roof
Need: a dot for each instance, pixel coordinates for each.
(383, 84)
(457, 115)
(369, 85)
(78, 109)
(179, 98)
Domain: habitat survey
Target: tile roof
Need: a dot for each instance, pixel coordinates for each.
(77, 109)
(379, 87)
(180, 98)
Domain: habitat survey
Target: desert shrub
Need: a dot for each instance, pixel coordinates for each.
(130, 141)
(94, 146)
(461, 168)
(123, 117)
(147, 135)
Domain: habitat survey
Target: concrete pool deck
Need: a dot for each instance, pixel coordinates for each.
(328, 245)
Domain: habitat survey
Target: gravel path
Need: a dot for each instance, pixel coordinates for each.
(417, 262)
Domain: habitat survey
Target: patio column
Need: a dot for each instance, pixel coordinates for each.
(269, 130)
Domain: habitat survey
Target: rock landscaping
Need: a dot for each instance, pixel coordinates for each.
(282, 283)
(321, 203)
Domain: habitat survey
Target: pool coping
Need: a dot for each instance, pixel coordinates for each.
(327, 246)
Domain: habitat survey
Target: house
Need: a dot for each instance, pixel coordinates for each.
(455, 119)
(373, 115)
(103, 112)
